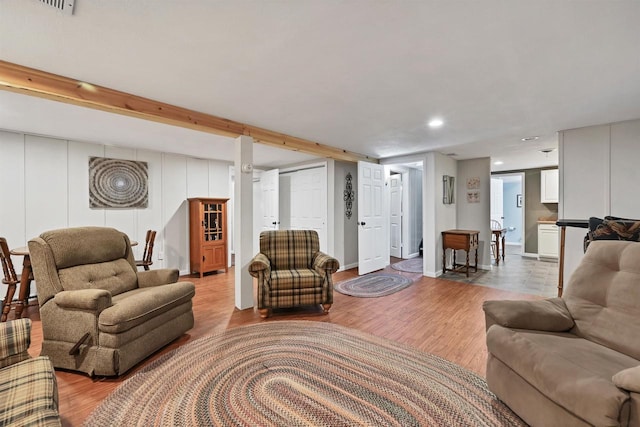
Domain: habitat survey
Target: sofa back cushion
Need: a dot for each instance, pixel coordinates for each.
(113, 276)
(289, 249)
(603, 296)
(92, 257)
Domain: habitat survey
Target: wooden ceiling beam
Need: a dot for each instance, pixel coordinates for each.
(29, 81)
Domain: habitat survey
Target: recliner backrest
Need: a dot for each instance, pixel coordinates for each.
(603, 296)
(290, 249)
(85, 258)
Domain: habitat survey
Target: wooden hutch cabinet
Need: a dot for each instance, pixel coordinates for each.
(208, 235)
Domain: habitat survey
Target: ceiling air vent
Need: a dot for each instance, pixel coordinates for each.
(65, 6)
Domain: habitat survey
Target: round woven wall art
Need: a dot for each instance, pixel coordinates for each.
(115, 183)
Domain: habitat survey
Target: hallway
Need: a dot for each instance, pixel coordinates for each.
(516, 273)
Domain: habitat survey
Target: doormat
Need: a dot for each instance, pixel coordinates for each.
(373, 285)
(413, 265)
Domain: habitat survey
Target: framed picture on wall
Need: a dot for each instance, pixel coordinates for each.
(518, 200)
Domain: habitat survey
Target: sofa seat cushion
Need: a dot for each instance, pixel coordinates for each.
(135, 307)
(28, 394)
(300, 278)
(563, 366)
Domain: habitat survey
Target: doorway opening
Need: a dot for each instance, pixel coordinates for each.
(507, 207)
(405, 206)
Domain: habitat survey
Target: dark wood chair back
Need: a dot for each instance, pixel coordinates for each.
(10, 276)
(146, 260)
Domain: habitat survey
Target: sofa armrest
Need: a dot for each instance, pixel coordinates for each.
(323, 262)
(84, 299)
(628, 379)
(260, 263)
(161, 276)
(544, 315)
(15, 337)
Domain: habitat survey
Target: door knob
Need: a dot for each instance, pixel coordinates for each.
(273, 223)
(363, 223)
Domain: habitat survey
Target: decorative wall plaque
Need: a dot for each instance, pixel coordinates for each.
(116, 183)
(349, 195)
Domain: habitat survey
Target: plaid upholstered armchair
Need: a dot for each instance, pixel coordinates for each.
(291, 271)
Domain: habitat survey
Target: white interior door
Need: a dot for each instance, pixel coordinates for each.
(497, 206)
(270, 190)
(395, 223)
(373, 218)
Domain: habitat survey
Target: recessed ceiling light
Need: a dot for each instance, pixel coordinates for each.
(498, 162)
(435, 123)
(530, 138)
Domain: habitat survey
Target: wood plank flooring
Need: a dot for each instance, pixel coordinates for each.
(441, 317)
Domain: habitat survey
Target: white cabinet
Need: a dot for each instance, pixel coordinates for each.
(549, 186)
(548, 240)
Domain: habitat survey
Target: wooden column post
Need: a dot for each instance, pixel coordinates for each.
(243, 221)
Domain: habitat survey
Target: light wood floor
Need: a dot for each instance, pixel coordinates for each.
(441, 317)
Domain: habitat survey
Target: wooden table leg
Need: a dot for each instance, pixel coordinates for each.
(25, 286)
(444, 260)
(467, 251)
(503, 247)
(476, 266)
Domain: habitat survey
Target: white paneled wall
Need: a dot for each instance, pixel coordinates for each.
(598, 176)
(45, 185)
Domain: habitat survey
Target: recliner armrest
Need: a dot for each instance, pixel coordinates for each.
(260, 263)
(545, 315)
(628, 379)
(323, 262)
(161, 276)
(84, 299)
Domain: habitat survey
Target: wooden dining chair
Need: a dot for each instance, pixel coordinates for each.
(495, 225)
(11, 279)
(146, 260)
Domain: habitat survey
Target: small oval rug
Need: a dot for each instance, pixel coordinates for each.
(301, 373)
(373, 285)
(412, 265)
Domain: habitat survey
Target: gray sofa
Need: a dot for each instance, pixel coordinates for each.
(99, 314)
(575, 360)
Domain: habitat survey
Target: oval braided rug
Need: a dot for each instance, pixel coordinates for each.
(373, 285)
(290, 373)
(412, 265)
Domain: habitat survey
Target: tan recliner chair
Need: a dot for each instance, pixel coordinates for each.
(575, 360)
(291, 271)
(99, 314)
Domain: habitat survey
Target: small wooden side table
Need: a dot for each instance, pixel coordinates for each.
(465, 240)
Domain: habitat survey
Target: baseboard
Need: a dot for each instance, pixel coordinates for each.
(433, 274)
(530, 255)
(348, 266)
(413, 255)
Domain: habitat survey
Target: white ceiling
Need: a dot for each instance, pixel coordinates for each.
(365, 75)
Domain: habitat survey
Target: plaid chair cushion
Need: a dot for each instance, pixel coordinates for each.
(295, 279)
(29, 394)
